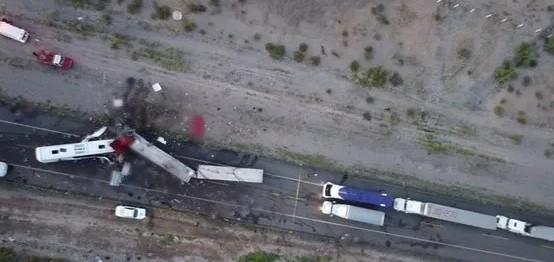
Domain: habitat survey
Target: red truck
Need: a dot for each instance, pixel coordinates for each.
(54, 59)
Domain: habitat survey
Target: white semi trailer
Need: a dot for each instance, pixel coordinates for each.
(446, 213)
(354, 213)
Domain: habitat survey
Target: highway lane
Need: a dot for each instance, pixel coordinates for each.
(287, 200)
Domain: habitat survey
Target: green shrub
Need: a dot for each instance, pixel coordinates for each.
(135, 7)
(162, 12)
(7, 254)
(259, 256)
(189, 25)
(505, 73)
(396, 79)
(275, 51)
(298, 56)
(354, 66)
(106, 19)
(303, 47)
(315, 60)
(368, 52)
(522, 118)
(370, 100)
(168, 239)
(197, 8)
(549, 45)
(525, 55)
(375, 76)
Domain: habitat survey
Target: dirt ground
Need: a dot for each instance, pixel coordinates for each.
(83, 229)
(252, 101)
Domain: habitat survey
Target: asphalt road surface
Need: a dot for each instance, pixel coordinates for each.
(289, 198)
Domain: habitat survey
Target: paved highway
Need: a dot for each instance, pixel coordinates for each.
(289, 198)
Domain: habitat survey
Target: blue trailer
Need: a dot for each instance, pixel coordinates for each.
(352, 194)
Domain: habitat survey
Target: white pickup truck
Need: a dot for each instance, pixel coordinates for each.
(524, 228)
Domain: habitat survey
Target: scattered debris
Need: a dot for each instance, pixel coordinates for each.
(157, 87)
(161, 140)
(117, 103)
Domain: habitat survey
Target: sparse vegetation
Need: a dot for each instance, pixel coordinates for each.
(464, 130)
(516, 139)
(539, 95)
(315, 60)
(354, 66)
(257, 37)
(522, 118)
(368, 53)
(168, 239)
(162, 12)
(411, 113)
(299, 56)
(171, 58)
(549, 45)
(375, 76)
(7, 254)
(335, 53)
(275, 51)
(81, 28)
(303, 47)
(377, 11)
(438, 17)
(377, 36)
(434, 146)
(345, 33)
(134, 7)
(464, 53)
(525, 55)
(548, 153)
(369, 100)
(526, 81)
(106, 19)
(98, 5)
(188, 25)
(259, 256)
(197, 8)
(396, 79)
(367, 116)
(499, 111)
(120, 40)
(505, 73)
(329, 91)
(214, 3)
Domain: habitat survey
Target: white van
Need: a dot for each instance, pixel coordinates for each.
(13, 32)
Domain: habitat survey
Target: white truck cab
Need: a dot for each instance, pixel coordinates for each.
(3, 169)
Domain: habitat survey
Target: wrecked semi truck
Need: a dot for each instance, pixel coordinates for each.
(445, 213)
(354, 213)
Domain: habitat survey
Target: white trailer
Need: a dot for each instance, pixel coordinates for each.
(227, 173)
(446, 213)
(524, 228)
(354, 213)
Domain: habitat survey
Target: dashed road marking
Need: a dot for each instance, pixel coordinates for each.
(549, 247)
(488, 235)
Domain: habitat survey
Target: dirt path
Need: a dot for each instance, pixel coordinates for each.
(250, 99)
(83, 229)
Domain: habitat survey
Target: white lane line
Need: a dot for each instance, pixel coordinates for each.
(297, 192)
(38, 128)
(487, 235)
(431, 224)
(300, 217)
(549, 247)
(265, 173)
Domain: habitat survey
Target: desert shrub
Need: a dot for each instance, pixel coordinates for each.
(275, 51)
(259, 256)
(539, 95)
(197, 8)
(189, 25)
(525, 55)
(315, 60)
(375, 76)
(377, 36)
(370, 100)
(7, 254)
(162, 12)
(257, 37)
(368, 52)
(106, 19)
(548, 153)
(367, 116)
(549, 45)
(526, 81)
(499, 111)
(396, 79)
(505, 73)
(522, 118)
(214, 3)
(134, 7)
(345, 33)
(464, 53)
(438, 17)
(303, 47)
(299, 56)
(377, 11)
(354, 66)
